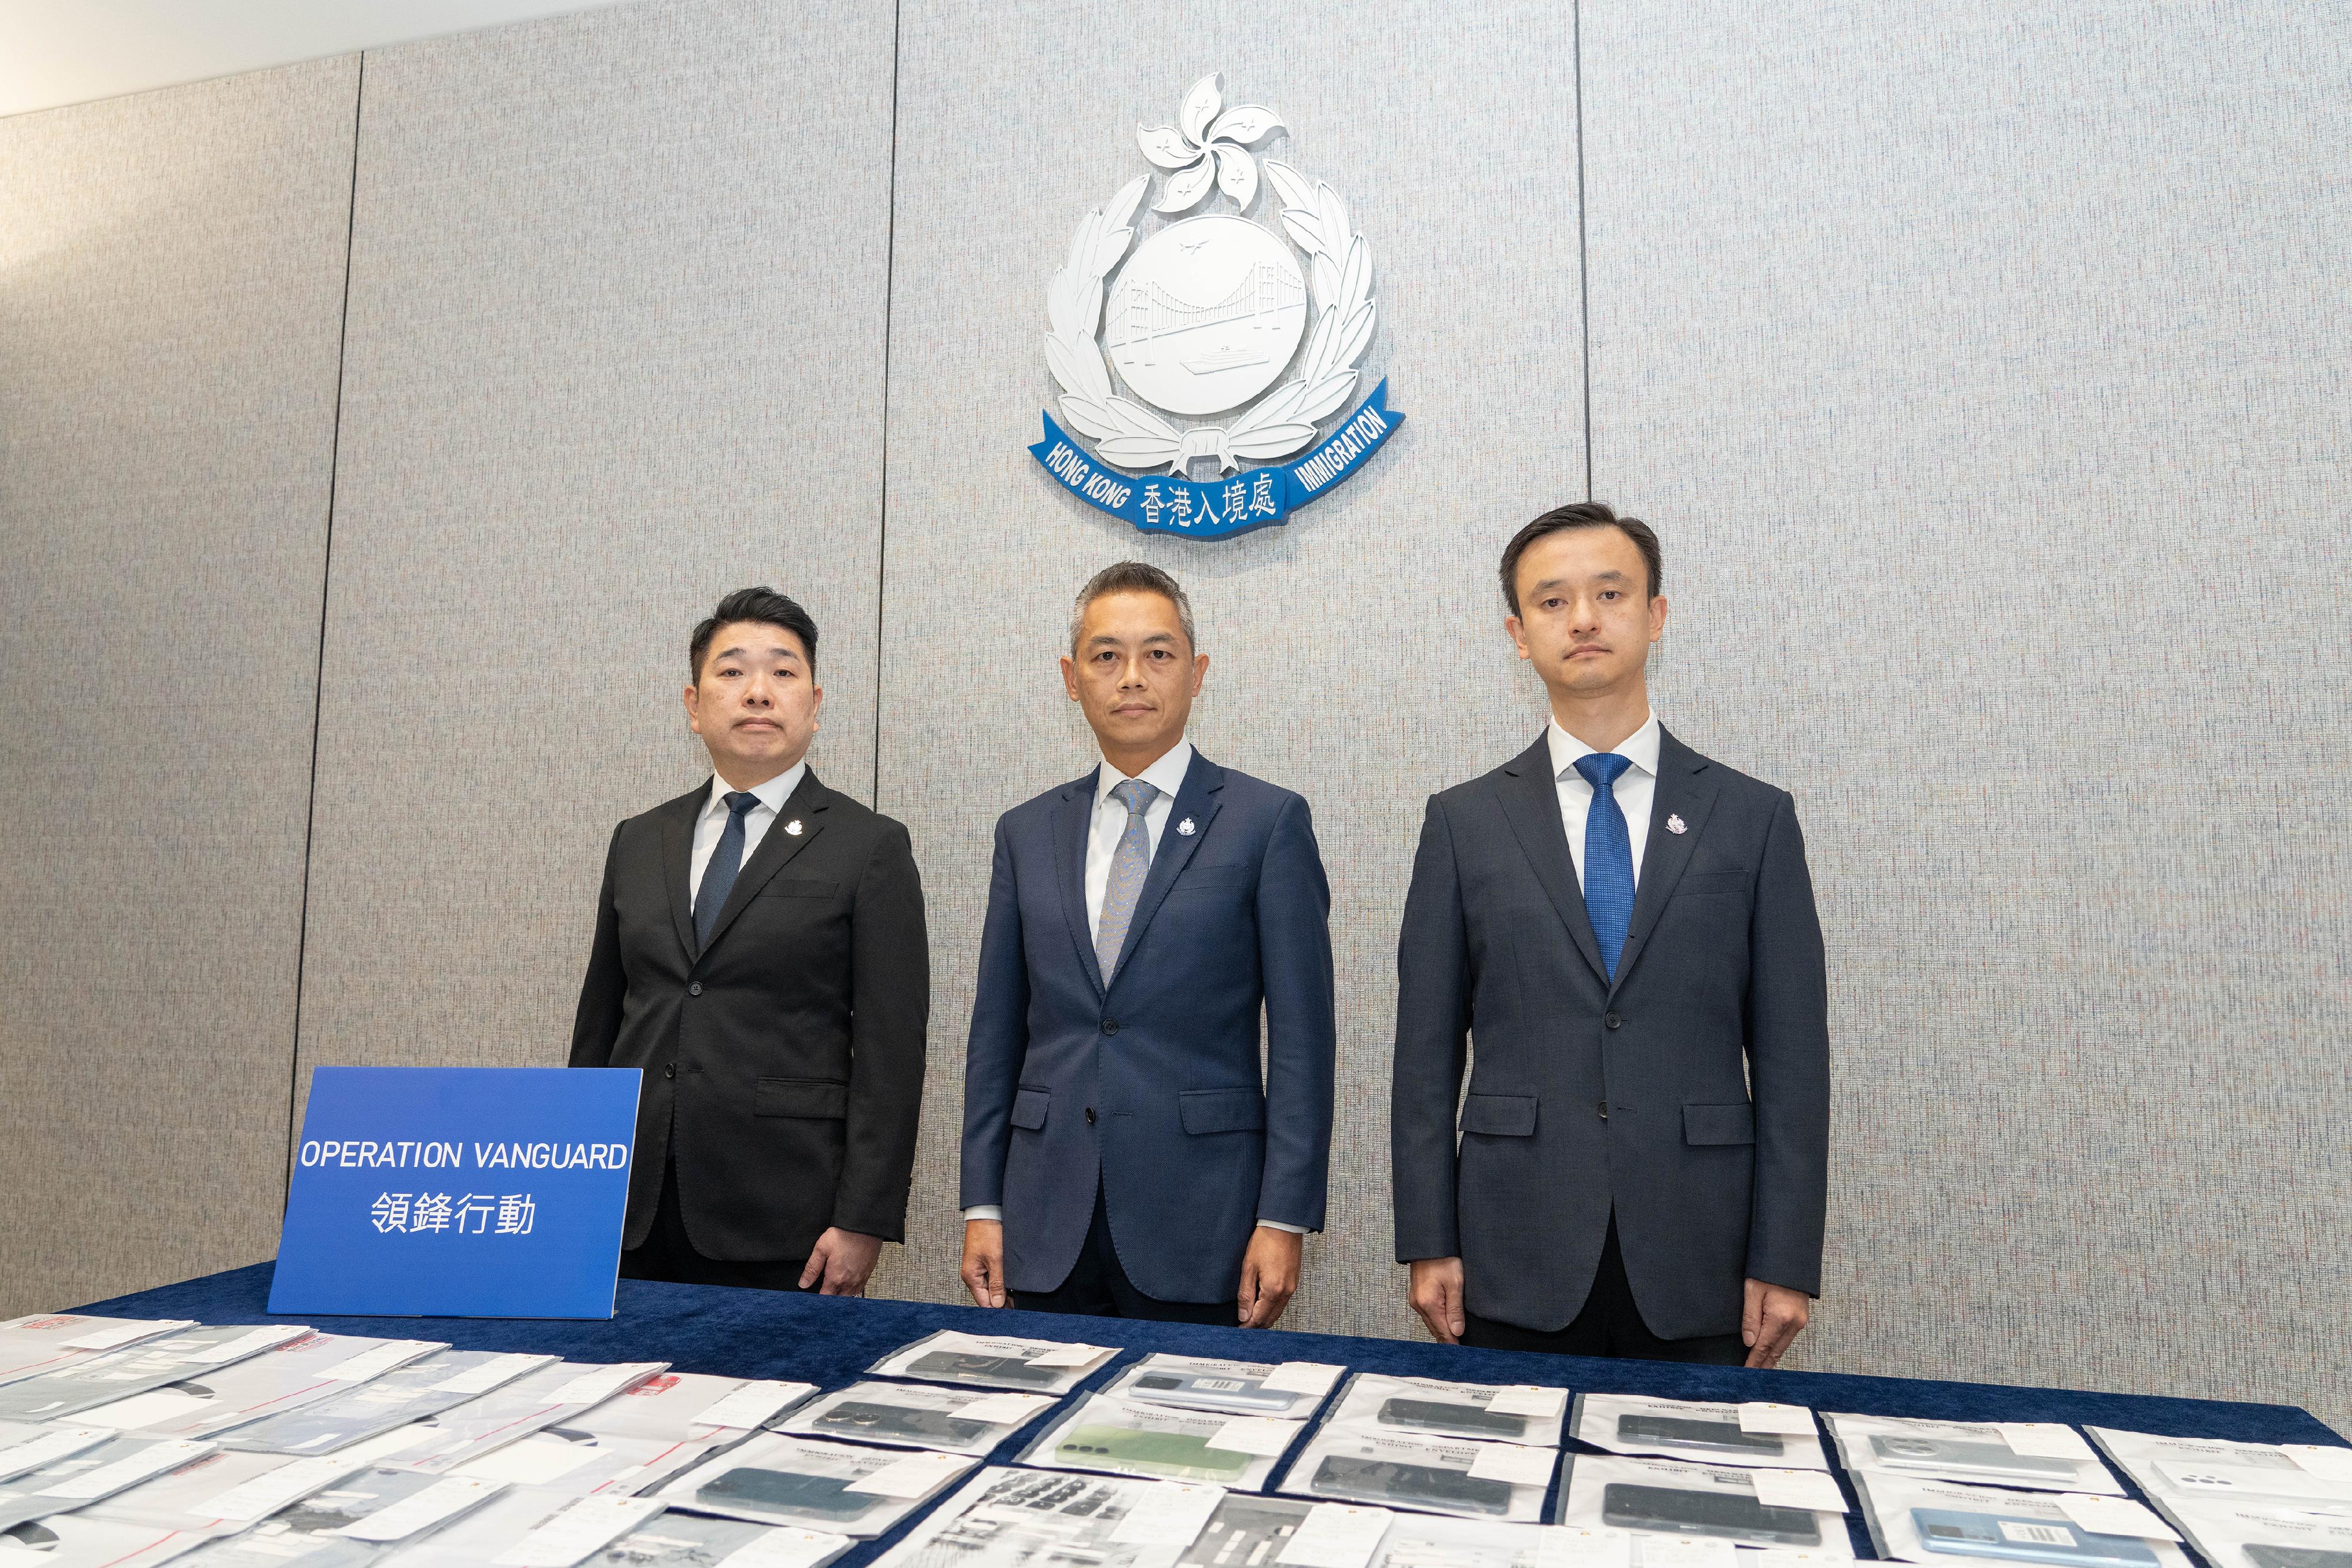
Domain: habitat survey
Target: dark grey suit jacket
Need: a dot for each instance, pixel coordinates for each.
(1691, 1095)
(784, 1062)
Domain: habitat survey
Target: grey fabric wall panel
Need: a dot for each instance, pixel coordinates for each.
(170, 288)
(1356, 652)
(616, 348)
(1982, 368)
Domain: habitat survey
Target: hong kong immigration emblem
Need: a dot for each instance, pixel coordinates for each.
(1226, 338)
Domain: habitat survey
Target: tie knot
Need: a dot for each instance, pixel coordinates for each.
(1602, 768)
(1134, 794)
(740, 803)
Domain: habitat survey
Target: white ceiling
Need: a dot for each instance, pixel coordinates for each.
(57, 52)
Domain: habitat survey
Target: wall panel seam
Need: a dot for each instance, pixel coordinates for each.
(882, 518)
(1583, 260)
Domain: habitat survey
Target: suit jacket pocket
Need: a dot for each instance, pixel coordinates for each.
(1029, 1108)
(1705, 1124)
(1200, 878)
(1712, 881)
(1239, 1110)
(818, 1098)
(1499, 1116)
(799, 887)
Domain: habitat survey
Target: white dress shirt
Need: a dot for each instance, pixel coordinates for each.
(1634, 789)
(1103, 832)
(756, 821)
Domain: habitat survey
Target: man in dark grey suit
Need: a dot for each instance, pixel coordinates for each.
(1626, 931)
(761, 954)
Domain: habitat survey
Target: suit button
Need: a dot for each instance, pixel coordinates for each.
(695, 990)
(1110, 1025)
(1612, 1020)
(1090, 1115)
(670, 1070)
(1603, 1108)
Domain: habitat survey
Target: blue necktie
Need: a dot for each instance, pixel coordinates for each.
(1608, 857)
(727, 860)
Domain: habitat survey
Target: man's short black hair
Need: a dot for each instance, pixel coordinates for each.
(763, 605)
(1581, 515)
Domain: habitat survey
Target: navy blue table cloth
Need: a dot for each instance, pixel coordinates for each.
(830, 1340)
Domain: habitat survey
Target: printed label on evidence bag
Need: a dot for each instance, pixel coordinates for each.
(1069, 1355)
(410, 1514)
(253, 1343)
(2330, 1463)
(595, 1387)
(1798, 1489)
(1526, 1399)
(1265, 1436)
(273, 1489)
(1003, 1409)
(491, 1373)
(1787, 1557)
(751, 1404)
(1569, 1546)
(378, 1360)
(2112, 1516)
(2044, 1439)
(28, 1457)
(1510, 1462)
(1302, 1377)
(577, 1530)
(107, 1335)
(1336, 1535)
(111, 1478)
(784, 1547)
(1778, 1420)
(1171, 1514)
(911, 1477)
(1688, 1552)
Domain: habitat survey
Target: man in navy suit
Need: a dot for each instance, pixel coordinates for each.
(1626, 931)
(1121, 1156)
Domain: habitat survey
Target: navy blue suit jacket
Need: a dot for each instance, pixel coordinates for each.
(1151, 1085)
(1690, 1095)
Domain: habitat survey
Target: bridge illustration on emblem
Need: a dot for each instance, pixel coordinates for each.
(1225, 340)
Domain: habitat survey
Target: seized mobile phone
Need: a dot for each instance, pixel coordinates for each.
(1629, 1506)
(1389, 1484)
(955, 1365)
(1195, 1390)
(2025, 1539)
(1175, 1454)
(858, 1420)
(1725, 1437)
(784, 1489)
(1434, 1416)
(2265, 1556)
(1959, 1454)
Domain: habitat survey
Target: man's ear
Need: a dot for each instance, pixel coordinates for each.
(693, 709)
(1518, 634)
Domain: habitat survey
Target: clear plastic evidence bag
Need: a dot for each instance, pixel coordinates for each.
(1430, 1475)
(1288, 1388)
(1424, 1406)
(1693, 1429)
(675, 1539)
(64, 1390)
(1763, 1510)
(777, 1477)
(994, 1361)
(635, 1440)
(301, 1371)
(1916, 1518)
(2207, 1473)
(439, 1382)
(1031, 1519)
(1156, 1443)
(2043, 1456)
(536, 1400)
(912, 1416)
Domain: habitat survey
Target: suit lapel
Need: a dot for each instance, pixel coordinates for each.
(677, 860)
(1073, 814)
(806, 805)
(1531, 805)
(1196, 803)
(1685, 792)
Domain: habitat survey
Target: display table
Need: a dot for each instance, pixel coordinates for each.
(831, 1341)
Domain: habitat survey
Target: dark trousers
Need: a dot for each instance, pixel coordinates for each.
(1608, 1324)
(1099, 1287)
(668, 1253)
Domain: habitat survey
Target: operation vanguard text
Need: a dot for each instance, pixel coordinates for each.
(348, 1155)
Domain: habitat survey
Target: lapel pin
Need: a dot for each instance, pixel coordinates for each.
(794, 827)
(1185, 827)
(1674, 824)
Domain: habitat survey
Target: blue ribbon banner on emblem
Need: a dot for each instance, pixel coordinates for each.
(1215, 508)
(459, 1192)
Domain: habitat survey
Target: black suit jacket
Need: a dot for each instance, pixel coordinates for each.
(1691, 1095)
(783, 1062)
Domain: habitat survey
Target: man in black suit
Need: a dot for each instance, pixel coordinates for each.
(761, 954)
(1626, 930)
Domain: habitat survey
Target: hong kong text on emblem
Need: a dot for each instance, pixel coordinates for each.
(1224, 337)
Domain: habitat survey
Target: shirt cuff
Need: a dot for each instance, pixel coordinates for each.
(1278, 1225)
(985, 1211)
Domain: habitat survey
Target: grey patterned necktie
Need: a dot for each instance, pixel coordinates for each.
(1129, 865)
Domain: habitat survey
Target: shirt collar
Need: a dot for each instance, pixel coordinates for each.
(773, 794)
(1167, 775)
(1639, 749)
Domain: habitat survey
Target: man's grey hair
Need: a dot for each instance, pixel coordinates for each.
(1132, 577)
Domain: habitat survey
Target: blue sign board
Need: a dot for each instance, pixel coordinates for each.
(461, 1192)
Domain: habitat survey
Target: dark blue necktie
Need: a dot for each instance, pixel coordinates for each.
(719, 876)
(1608, 857)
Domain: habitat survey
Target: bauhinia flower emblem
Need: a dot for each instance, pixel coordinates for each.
(1207, 147)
